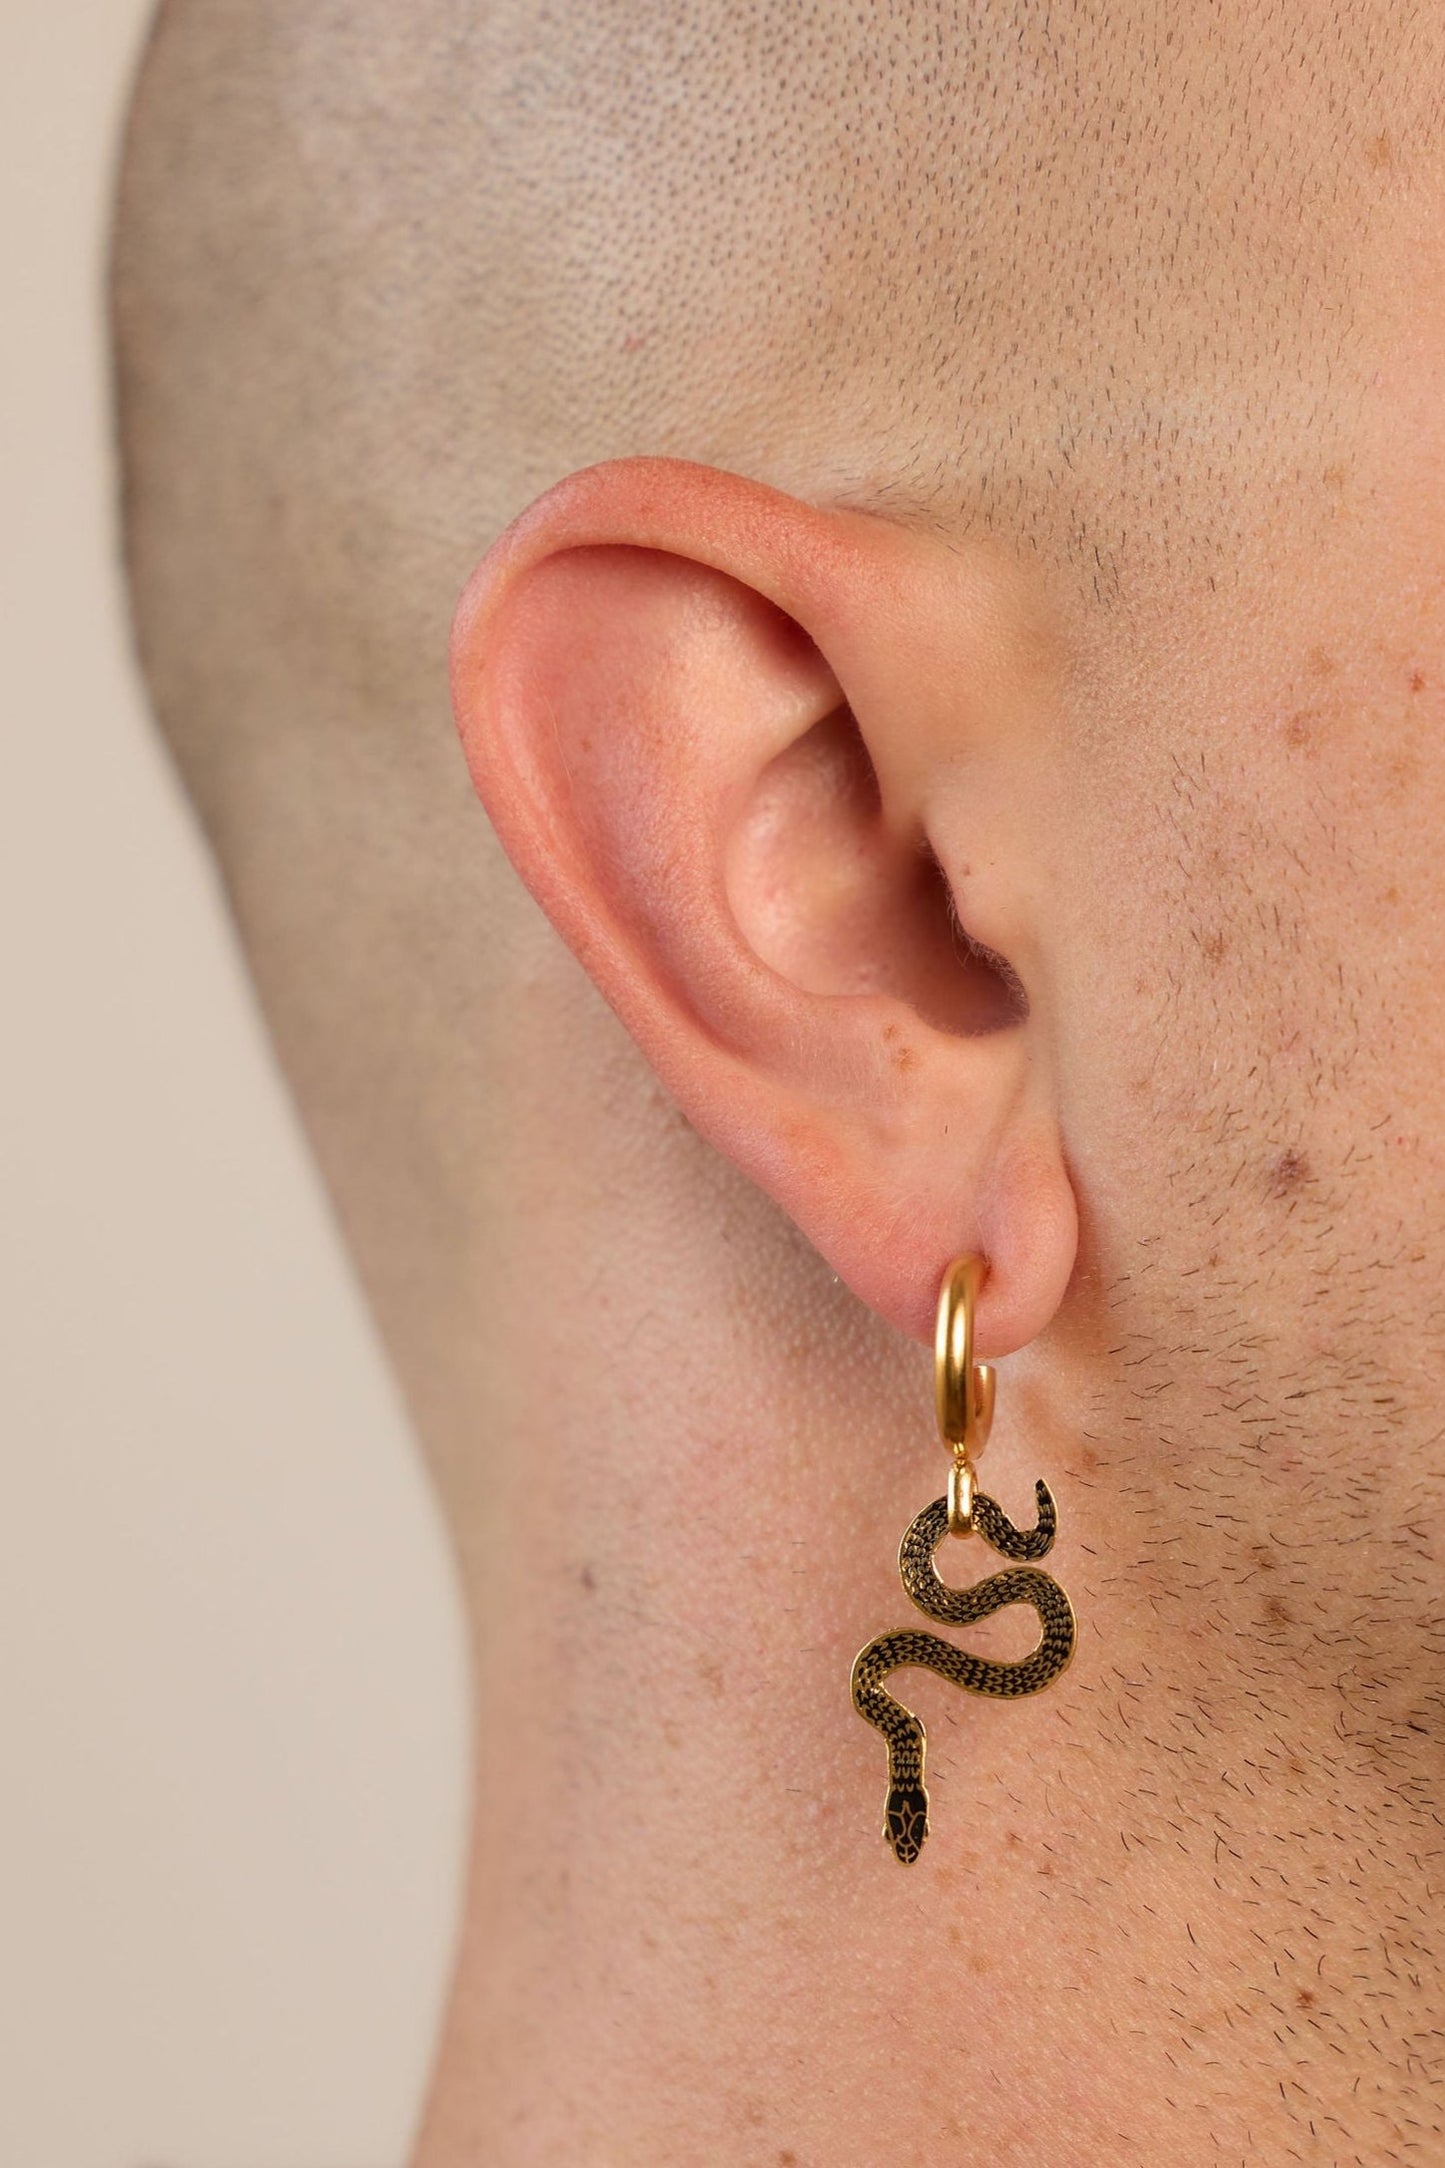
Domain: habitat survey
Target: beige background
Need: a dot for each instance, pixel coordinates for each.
(231, 1794)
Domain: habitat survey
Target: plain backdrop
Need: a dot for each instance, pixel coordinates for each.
(231, 1696)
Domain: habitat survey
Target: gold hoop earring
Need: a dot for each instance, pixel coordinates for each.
(964, 1396)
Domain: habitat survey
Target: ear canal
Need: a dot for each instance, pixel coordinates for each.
(836, 901)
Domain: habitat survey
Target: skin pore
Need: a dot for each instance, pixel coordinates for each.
(1073, 381)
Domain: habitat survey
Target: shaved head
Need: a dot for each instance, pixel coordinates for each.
(1135, 312)
(1109, 281)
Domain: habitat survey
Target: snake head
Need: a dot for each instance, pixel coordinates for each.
(905, 1821)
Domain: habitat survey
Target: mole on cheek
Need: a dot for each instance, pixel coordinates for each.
(1287, 1174)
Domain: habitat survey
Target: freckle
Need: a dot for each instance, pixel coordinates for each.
(1404, 772)
(1417, 681)
(1213, 948)
(1275, 1612)
(1334, 477)
(710, 1671)
(1304, 1998)
(1088, 1459)
(588, 1579)
(787, 2159)
(1265, 1559)
(1379, 153)
(905, 1058)
(890, 1032)
(980, 1963)
(1320, 662)
(1303, 728)
(1392, 895)
(1288, 1173)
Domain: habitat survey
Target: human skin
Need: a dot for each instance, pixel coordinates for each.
(988, 753)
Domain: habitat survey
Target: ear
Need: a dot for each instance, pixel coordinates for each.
(775, 775)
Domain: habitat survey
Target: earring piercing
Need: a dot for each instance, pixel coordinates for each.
(964, 1397)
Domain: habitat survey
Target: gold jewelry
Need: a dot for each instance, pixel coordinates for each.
(964, 1394)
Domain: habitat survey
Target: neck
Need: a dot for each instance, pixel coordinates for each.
(1168, 1904)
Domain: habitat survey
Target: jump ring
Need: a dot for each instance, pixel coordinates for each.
(960, 1498)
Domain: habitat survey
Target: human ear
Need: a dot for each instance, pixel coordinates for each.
(769, 771)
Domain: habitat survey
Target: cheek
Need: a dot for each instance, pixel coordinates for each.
(1252, 970)
(1353, 802)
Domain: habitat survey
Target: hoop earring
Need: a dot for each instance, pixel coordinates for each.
(964, 1395)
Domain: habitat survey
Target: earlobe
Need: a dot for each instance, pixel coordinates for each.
(697, 715)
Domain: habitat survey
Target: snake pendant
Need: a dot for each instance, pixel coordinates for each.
(905, 1823)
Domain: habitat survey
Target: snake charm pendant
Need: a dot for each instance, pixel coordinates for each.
(906, 1815)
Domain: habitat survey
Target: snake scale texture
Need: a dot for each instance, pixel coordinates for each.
(905, 1822)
